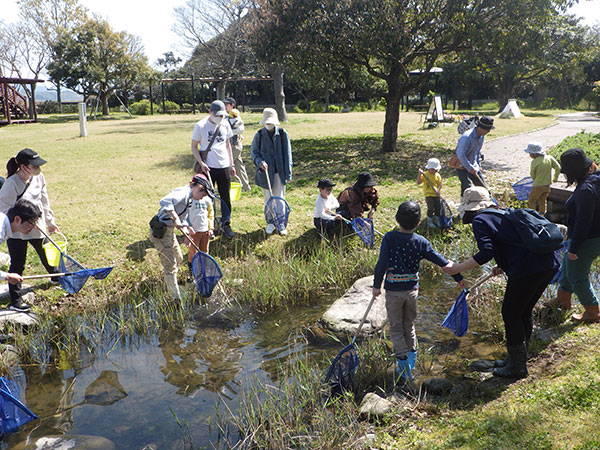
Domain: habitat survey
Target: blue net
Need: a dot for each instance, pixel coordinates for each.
(364, 229)
(561, 254)
(13, 413)
(277, 212)
(74, 282)
(446, 215)
(342, 369)
(457, 319)
(207, 273)
(522, 188)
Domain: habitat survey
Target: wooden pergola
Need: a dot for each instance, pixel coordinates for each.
(14, 107)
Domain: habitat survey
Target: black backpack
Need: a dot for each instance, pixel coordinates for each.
(538, 234)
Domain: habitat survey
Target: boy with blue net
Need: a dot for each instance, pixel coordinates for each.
(399, 257)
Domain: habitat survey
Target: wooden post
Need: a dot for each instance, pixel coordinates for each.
(82, 120)
(151, 106)
(193, 97)
(34, 106)
(163, 95)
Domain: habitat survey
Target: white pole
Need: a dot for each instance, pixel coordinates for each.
(82, 120)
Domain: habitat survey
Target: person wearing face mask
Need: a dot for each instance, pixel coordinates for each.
(271, 152)
(26, 181)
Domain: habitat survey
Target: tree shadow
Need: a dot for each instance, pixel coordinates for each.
(136, 251)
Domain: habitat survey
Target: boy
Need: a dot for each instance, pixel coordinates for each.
(201, 217)
(21, 218)
(541, 173)
(326, 221)
(399, 257)
(432, 185)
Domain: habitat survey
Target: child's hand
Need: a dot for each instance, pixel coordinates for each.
(450, 268)
(497, 271)
(420, 171)
(376, 292)
(338, 217)
(462, 283)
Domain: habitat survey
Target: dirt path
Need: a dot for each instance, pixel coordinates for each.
(506, 158)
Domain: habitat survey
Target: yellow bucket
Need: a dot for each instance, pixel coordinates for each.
(52, 253)
(235, 191)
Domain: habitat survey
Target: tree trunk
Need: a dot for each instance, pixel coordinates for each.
(505, 89)
(104, 100)
(392, 115)
(59, 97)
(221, 90)
(277, 74)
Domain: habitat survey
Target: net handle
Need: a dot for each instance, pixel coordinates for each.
(350, 223)
(269, 182)
(430, 184)
(47, 275)
(51, 240)
(480, 281)
(364, 318)
(185, 233)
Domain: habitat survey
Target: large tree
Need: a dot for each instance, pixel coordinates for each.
(94, 59)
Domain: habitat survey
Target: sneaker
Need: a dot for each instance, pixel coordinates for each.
(228, 232)
(283, 231)
(20, 306)
(270, 228)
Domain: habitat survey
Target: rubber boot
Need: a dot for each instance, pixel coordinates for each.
(504, 362)
(516, 365)
(412, 360)
(430, 222)
(590, 315)
(403, 370)
(172, 287)
(562, 300)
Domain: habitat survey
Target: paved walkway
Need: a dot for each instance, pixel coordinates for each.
(505, 155)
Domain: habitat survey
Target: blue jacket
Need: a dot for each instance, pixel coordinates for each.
(497, 238)
(468, 150)
(276, 151)
(583, 212)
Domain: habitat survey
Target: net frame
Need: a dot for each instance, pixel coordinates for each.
(77, 274)
(457, 319)
(277, 212)
(445, 214)
(13, 413)
(205, 284)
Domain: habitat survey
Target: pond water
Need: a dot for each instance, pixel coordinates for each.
(131, 391)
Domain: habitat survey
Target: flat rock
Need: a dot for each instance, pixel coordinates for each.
(345, 314)
(67, 442)
(373, 405)
(8, 355)
(437, 386)
(4, 259)
(17, 318)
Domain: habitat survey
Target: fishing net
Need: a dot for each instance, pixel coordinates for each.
(342, 369)
(277, 212)
(207, 273)
(13, 413)
(446, 215)
(78, 274)
(364, 229)
(560, 254)
(457, 319)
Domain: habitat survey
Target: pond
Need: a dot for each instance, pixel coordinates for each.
(133, 389)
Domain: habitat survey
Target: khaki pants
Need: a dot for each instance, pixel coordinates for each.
(240, 170)
(401, 309)
(170, 257)
(537, 198)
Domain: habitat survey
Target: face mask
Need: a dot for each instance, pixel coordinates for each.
(269, 126)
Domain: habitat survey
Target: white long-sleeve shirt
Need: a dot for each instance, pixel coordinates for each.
(5, 233)
(330, 203)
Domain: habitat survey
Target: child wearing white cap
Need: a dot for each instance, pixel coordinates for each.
(541, 173)
(432, 186)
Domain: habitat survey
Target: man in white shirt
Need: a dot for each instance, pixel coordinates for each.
(21, 218)
(211, 148)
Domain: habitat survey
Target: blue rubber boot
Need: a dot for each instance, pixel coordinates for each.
(403, 370)
(412, 359)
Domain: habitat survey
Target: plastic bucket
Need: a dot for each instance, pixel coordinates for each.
(522, 188)
(235, 191)
(52, 253)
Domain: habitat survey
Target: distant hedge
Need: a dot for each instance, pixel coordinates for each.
(589, 142)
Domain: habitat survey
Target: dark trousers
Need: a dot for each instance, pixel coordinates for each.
(467, 179)
(520, 297)
(17, 248)
(222, 180)
(434, 206)
(325, 226)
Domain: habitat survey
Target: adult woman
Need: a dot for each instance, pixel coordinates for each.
(25, 181)
(271, 152)
(528, 273)
(583, 222)
(359, 198)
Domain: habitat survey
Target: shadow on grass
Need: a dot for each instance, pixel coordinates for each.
(136, 251)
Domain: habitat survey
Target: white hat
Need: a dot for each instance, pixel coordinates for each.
(433, 163)
(536, 148)
(474, 199)
(269, 117)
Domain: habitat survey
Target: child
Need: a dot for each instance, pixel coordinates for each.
(326, 221)
(432, 185)
(201, 217)
(541, 172)
(399, 257)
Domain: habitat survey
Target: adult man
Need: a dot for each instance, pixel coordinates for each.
(468, 151)
(21, 218)
(211, 148)
(237, 127)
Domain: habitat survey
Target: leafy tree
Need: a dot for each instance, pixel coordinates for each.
(169, 62)
(95, 59)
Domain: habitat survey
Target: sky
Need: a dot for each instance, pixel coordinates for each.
(152, 20)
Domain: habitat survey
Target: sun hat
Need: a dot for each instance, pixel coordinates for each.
(433, 163)
(364, 179)
(325, 183)
(535, 148)
(474, 199)
(485, 122)
(28, 156)
(218, 108)
(269, 117)
(200, 179)
(575, 163)
(230, 100)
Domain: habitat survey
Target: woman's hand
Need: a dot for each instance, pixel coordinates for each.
(376, 292)
(497, 271)
(450, 268)
(52, 229)
(462, 283)
(13, 278)
(264, 166)
(572, 256)
(232, 171)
